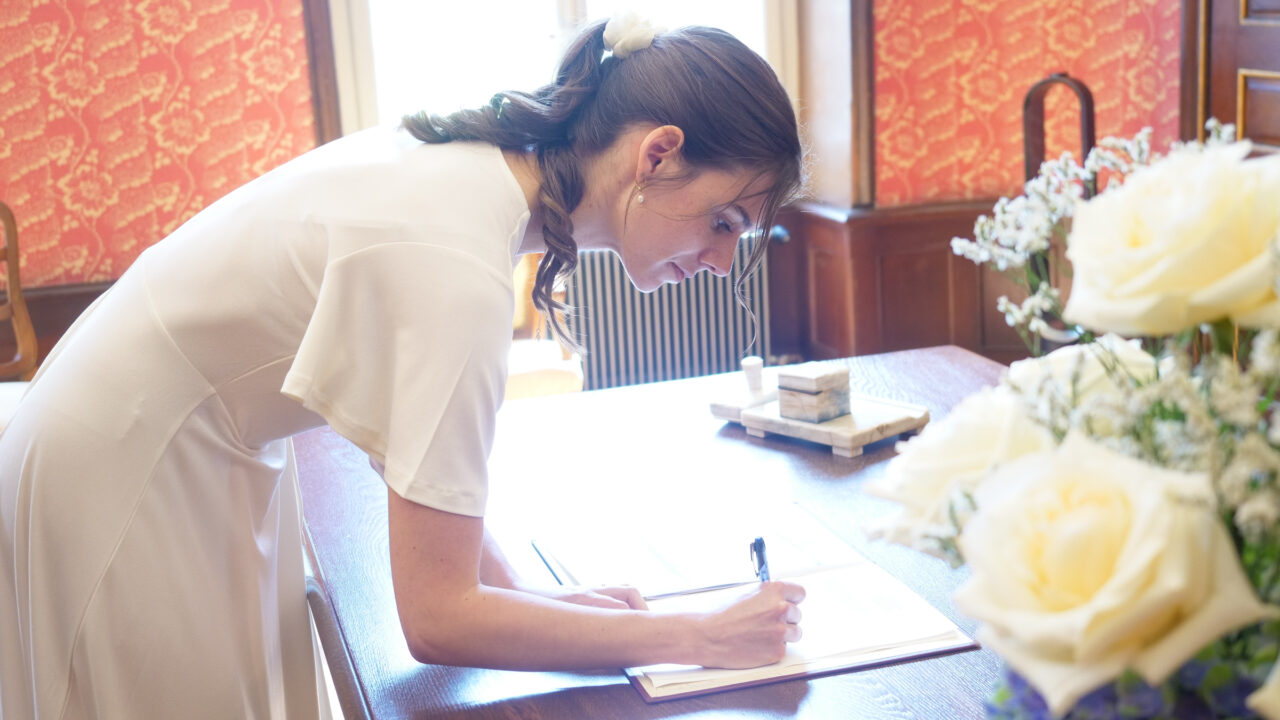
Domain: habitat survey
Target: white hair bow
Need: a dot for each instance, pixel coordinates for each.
(627, 33)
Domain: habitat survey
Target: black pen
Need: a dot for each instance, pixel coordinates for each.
(762, 562)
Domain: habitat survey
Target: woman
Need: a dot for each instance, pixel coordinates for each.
(150, 559)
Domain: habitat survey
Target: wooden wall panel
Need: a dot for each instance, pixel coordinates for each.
(1261, 10)
(1259, 111)
(998, 340)
(885, 279)
(913, 283)
(829, 279)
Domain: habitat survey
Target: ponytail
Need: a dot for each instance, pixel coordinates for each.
(542, 120)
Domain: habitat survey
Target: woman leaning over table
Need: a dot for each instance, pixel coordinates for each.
(150, 555)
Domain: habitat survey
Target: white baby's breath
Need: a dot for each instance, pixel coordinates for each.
(1265, 357)
(1258, 516)
(1232, 395)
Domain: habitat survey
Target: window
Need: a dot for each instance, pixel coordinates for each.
(442, 56)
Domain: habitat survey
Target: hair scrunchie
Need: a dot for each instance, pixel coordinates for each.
(627, 33)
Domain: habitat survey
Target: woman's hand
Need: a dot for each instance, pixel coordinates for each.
(611, 598)
(755, 629)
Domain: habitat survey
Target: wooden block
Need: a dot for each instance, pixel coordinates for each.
(813, 407)
(814, 377)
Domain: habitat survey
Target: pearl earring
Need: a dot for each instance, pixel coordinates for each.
(640, 199)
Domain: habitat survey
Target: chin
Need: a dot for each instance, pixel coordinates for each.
(645, 283)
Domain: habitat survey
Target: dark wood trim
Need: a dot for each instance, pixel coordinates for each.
(324, 76)
(788, 290)
(1194, 53)
(864, 106)
(53, 309)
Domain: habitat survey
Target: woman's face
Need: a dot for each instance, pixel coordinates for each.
(683, 228)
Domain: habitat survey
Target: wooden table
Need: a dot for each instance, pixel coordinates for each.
(607, 449)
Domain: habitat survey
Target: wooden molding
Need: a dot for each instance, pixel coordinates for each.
(324, 75)
(837, 112)
(864, 105)
(1194, 56)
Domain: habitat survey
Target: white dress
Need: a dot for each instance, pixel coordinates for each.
(150, 550)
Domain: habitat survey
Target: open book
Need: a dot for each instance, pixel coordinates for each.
(854, 615)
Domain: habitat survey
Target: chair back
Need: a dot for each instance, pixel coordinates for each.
(13, 309)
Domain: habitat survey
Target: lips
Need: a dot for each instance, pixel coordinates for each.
(680, 273)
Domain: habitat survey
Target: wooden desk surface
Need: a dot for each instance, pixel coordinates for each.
(556, 455)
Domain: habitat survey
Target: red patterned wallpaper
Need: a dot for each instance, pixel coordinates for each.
(120, 119)
(950, 76)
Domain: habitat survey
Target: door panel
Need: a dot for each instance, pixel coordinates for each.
(1242, 67)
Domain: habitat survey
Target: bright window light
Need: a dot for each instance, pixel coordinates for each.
(442, 56)
(744, 19)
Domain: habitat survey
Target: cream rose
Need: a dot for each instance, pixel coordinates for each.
(951, 457)
(1085, 562)
(1085, 364)
(1266, 700)
(1184, 241)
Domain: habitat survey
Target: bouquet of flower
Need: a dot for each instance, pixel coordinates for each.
(1117, 500)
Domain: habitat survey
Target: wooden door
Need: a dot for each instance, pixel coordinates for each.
(1237, 68)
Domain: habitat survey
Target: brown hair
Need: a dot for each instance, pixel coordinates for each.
(727, 100)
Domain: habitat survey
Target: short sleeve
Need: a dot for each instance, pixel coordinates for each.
(405, 355)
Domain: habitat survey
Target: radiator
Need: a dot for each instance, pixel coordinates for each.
(694, 328)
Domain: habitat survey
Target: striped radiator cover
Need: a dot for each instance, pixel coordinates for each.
(677, 331)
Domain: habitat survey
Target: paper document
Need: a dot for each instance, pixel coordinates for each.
(852, 617)
(693, 556)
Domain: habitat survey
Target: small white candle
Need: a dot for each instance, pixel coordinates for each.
(754, 368)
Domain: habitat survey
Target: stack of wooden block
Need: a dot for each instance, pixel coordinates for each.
(812, 402)
(813, 392)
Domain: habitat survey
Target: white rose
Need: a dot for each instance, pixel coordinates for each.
(1085, 562)
(1266, 700)
(951, 457)
(1086, 364)
(1184, 241)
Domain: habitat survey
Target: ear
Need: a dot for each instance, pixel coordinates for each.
(661, 146)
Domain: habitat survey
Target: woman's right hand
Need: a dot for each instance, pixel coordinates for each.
(755, 629)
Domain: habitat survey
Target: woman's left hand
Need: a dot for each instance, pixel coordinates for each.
(614, 598)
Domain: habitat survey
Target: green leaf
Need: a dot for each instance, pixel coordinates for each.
(1219, 676)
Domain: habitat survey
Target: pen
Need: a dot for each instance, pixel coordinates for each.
(762, 562)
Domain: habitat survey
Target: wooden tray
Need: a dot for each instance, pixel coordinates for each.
(869, 419)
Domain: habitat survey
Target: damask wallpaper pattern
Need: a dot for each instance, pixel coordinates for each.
(120, 119)
(950, 76)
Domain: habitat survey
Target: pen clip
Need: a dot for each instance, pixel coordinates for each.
(761, 562)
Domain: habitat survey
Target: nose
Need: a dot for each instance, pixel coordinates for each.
(719, 259)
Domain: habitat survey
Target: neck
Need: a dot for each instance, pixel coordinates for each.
(591, 219)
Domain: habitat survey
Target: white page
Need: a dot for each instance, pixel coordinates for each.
(672, 553)
(857, 613)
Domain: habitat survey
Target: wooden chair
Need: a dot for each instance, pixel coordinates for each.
(13, 310)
